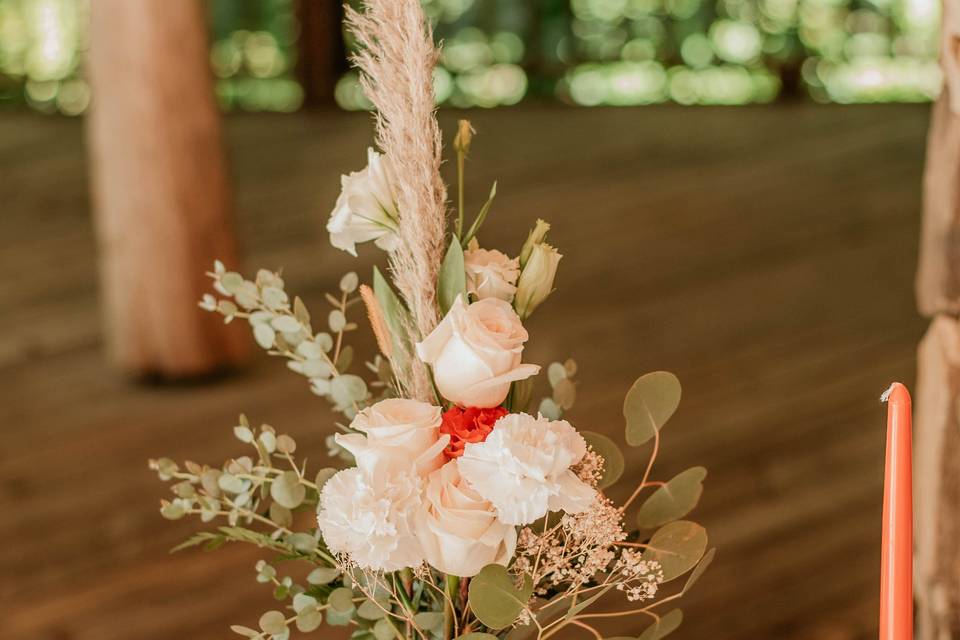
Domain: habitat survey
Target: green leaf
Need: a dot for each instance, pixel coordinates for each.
(341, 600)
(395, 315)
(309, 620)
(205, 538)
(495, 599)
(323, 575)
(383, 630)
(673, 500)
(273, 622)
(287, 490)
(453, 277)
(478, 221)
(663, 627)
(678, 547)
(429, 620)
(613, 462)
(699, 569)
(370, 610)
(583, 604)
(649, 404)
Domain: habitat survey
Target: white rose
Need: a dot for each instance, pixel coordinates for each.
(366, 208)
(371, 519)
(398, 433)
(475, 353)
(490, 274)
(458, 530)
(523, 468)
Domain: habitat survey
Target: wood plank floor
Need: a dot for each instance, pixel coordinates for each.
(765, 255)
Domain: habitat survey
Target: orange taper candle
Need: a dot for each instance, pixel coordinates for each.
(896, 561)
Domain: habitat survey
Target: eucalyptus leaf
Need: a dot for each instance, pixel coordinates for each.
(555, 373)
(649, 404)
(699, 569)
(300, 312)
(287, 490)
(495, 599)
(550, 409)
(429, 620)
(673, 500)
(273, 622)
(243, 434)
(565, 394)
(341, 600)
(678, 547)
(247, 632)
(302, 542)
(349, 282)
(663, 626)
(453, 277)
(285, 324)
(370, 610)
(613, 462)
(302, 601)
(308, 620)
(264, 335)
(323, 475)
(348, 389)
(323, 575)
(383, 630)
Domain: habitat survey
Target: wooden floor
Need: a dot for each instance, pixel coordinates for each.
(765, 255)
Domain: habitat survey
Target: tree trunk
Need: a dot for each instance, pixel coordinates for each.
(937, 425)
(159, 186)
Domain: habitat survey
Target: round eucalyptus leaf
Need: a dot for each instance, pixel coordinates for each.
(323, 475)
(172, 510)
(323, 575)
(495, 599)
(286, 444)
(673, 500)
(336, 321)
(244, 631)
(550, 409)
(429, 620)
(308, 620)
(649, 404)
(231, 483)
(347, 389)
(678, 547)
(565, 394)
(273, 622)
(555, 373)
(231, 281)
(324, 341)
(269, 441)
(285, 324)
(264, 335)
(302, 601)
(613, 462)
(316, 368)
(349, 282)
(274, 297)
(302, 542)
(280, 515)
(243, 434)
(383, 631)
(310, 350)
(663, 626)
(287, 490)
(341, 600)
(370, 610)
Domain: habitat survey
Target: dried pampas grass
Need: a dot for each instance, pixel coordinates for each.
(396, 58)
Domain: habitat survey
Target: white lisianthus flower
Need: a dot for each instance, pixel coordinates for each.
(366, 208)
(399, 433)
(458, 530)
(490, 273)
(475, 353)
(523, 468)
(371, 518)
(536, 280)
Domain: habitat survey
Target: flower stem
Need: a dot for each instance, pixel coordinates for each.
(451, 589)
(461, 153)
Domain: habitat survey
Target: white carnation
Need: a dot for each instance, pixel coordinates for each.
(523, 468)
(371, 519)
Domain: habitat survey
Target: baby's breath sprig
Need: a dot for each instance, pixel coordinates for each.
(285, 329)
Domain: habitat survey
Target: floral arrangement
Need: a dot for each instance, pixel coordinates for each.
(461, 515)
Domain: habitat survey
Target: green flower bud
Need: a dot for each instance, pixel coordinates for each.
(536, 279)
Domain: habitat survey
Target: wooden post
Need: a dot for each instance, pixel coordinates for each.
(159, 186)
(937, 424)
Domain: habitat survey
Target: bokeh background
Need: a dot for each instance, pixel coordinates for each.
(729, 205)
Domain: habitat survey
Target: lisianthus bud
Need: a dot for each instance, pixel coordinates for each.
(536, 279)
(464, 135)
(537, 234)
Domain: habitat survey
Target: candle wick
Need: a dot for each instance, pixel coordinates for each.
(886, 394)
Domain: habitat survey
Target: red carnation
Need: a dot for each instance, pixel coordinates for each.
(468, 425)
